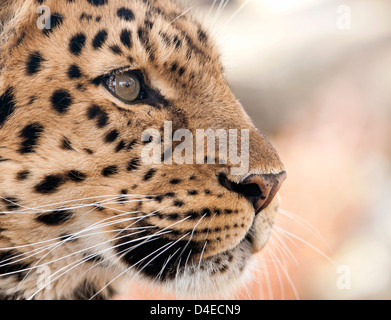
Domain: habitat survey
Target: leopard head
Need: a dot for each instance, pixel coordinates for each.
(107, 108)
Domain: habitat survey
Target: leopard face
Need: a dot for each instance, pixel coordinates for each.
(78, 202)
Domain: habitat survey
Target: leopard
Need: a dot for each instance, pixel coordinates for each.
(86, 89)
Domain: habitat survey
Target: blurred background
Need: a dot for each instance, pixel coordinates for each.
(315, 75)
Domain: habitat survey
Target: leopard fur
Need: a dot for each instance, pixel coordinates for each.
(79, 211)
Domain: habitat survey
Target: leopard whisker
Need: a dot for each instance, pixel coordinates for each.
(210, 9)
(68, 239)
(276, 264)
(184, 12)
(284, 247)
(125, 271)
(170, 244)
(82, 260)
(54, 206)
(308, 226)
(184, 248)
(266, 274)
(202, 254)
(290, 281)
(49, 262)
(228, 21)
(288, 234)
(219, 10)
(160, 232)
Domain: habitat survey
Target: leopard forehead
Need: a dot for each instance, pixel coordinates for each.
(70, 152)
(157, 37)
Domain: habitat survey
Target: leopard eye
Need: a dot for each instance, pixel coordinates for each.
(126, 86)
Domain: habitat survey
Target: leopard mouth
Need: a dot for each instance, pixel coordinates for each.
(179, 264)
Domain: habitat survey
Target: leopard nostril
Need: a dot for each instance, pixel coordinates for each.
(258, 189)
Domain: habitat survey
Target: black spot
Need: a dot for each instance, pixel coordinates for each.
(181, 71)
(115, 49)
(56, 20)
(61, 100)
(96, 81)
(33, 64)
(192, 215)
(122, 198)
(99, 39)
(66, 144)
(109, 171)
(96, 112)
(121, 145)
(98, 2)
(201, 36)
(131, 144)
(173, 216)
(85, 16)
(217, 212)
(11, 203)
(177, 42)
(174, 67)
(178, 203)
(55, 218)
(23, 175)
(76, 176)
(159, 198)
(30, 135)
(170, 195)
(32, 99)
(148, 24)
(7, 105)
(74, 72)
(50, 184)
(77, 43)
(175, 181)
(149, 174)
(133, 164)
(143, 36)
(192, 192)
(87, 289)
(125, 14)
(111, 136)
(126, 38)
(9, 268)
(206, 212)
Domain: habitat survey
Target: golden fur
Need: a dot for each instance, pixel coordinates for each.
(57, 156)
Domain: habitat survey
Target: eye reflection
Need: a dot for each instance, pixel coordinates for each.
(126, 86)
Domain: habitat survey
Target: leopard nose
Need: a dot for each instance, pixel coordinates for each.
(259, 189)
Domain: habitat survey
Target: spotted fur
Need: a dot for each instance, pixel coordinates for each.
(80, 213)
